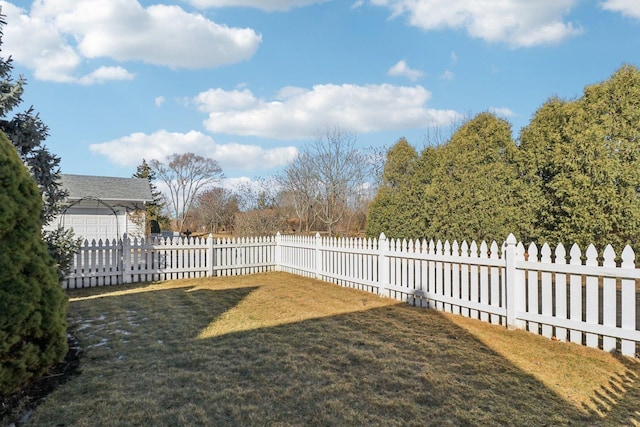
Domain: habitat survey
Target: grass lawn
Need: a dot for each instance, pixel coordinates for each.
(276, 349)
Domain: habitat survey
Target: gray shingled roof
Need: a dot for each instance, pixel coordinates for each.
(107, 188)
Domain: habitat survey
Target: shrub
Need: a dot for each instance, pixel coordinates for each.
(154, 226)
(32, 303)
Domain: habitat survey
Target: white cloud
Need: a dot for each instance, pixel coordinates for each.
(220, 100)
(290, 92)
(515, 22)
(159, 101)
(402, 69)
(249, 157)
(37, 44)
(55, 37)
(297, 113)
(131, 149)
(454, 58)
(447, 75)
(268, 5)
(104, 74)
(502, 111)
(235, 183)
(626, 7)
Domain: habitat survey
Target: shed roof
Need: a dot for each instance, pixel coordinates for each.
(107, 188)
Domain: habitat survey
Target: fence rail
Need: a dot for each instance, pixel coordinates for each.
(570, 297)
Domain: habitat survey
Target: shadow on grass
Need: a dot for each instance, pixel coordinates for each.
(619, 400)
(394, 365)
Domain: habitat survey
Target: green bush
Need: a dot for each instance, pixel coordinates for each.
(154, 226)
(32, 302)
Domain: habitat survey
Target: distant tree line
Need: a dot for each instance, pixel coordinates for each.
(573, 175)
(326, 188)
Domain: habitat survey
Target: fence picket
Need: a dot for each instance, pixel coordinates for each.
(561, 292)
(609, 310)
(592, 291)
(546, 290)
(439, 278)
(494, 279)
(532, 288)
(628, 299)
(424, 273)
(431, 294)
(575, 294)
(473, 278)
(446, 271)
(411, 282)
(520, 296)
(464, 280)
(484, 281)
(455, 276)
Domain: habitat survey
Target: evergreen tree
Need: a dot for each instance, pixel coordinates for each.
(422, 184)
(583, 159)
(396, 208)
(32, 303)
(543, 145)
(27, 132)
(154, 213)
(475, 192)
(400, 164)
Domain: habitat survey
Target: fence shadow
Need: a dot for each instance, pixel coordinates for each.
(391, 365)
(176, 313)
(618, 399)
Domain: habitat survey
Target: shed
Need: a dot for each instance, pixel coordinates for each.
(103, 207)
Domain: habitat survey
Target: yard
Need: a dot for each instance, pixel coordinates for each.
(279, 349)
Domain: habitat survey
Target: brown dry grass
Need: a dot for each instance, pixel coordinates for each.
(278, 349)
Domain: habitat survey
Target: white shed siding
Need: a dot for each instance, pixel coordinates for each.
(96, 224)
(93, 224)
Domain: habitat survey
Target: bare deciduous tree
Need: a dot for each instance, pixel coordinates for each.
(298, 183)
(261, 208)
(259, 193)
(216, 207)
(185, 175)
(258, 222)
(329, 175)
(376, 157)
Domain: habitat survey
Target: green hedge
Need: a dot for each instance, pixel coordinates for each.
(32, 303)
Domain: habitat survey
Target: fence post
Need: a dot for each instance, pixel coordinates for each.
(383, 264)
(126, 259)
(513, 288)
(210, 261)
(628, 309)
(318, 257)
(278, 252)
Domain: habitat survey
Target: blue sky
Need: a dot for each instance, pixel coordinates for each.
(249, 82)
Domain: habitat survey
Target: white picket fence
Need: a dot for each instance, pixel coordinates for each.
(543, 291)
(139, 260)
